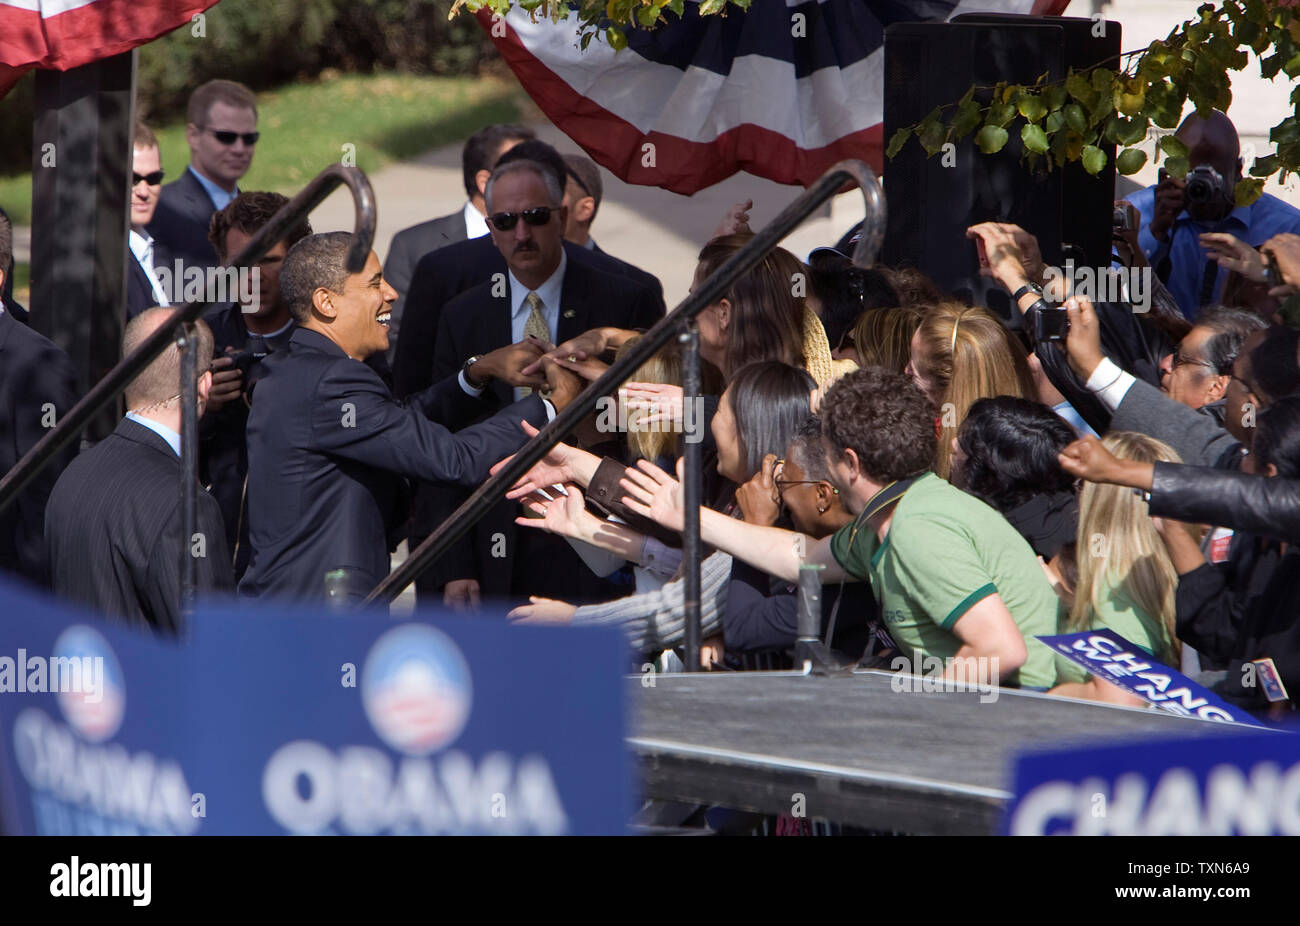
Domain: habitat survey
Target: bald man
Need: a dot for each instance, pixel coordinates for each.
(1172, 221)
(113, 521)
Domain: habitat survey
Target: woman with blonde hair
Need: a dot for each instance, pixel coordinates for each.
(1126, 579)
(960, 354)
(881, 337)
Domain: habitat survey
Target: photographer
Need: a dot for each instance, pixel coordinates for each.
(1177, 212)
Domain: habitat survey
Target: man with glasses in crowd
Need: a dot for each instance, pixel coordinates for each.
(543, 299)
(221, 132)
(143, 288)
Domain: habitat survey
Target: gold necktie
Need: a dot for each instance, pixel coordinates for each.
(535, 326)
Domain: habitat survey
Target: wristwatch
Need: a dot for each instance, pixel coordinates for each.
(1027, 288)
(465, 367)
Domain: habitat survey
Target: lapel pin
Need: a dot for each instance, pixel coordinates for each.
(569, 313)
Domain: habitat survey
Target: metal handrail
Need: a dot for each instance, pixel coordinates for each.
(128, 368)
(672, 325)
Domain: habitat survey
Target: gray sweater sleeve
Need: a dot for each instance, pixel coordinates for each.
(656, 620)
(1196, 436)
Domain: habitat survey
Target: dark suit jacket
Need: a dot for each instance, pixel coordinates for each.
(409, 245)
(446, 273)
(327, 449)
(476, 322)
(180, 224)
(113, 530)
(34, 373)
(139, 291)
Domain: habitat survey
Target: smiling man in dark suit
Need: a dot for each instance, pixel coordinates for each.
(329, 447)
(113, 523)
(550, 298)
(221, 133)
(482, 150)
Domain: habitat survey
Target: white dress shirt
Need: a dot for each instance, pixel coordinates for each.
(475, 224)
(141, 244)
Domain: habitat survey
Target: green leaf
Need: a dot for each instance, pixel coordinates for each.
(1248, 190)
(1173, 146)
(1075, 118)
(1176, 167)
(931, 134)
(1114, 126)
(1077, 86)
(1102, 79)
(1031, 107)
(1265, 166)
(1035, 138)
(1054, 96)
(617, 40)
(1094, 159)
(896, 142)
(1133, 132)
(1000, 114)
(711, 6)
(1055, 122)
(647, 16)
(967, 118)
(991, 139)
(1130, 161)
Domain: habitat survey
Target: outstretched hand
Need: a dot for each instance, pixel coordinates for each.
(1088, 459)
(654, 494)
(560, 514)
(553, 469)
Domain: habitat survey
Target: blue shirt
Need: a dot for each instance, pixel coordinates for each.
(220, 198)
(171, 437)
(1254, 224)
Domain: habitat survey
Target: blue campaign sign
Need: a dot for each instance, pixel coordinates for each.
(1229, 785)
(94, 725)
(273, 720)
(1109, 656)
(364, 725)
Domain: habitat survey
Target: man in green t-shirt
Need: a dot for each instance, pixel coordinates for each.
(953, 578)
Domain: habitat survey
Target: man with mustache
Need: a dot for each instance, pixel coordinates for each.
(548, 297)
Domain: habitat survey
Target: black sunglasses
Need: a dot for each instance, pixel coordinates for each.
(504, 221)
(152, 179)
(228, 138)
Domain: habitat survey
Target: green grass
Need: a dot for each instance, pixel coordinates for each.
(22, 283)
(387, 117)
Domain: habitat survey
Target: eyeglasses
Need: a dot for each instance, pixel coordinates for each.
(1179, 359)
(228, 138)
(782, 484)
(504, 221)
(152, 179)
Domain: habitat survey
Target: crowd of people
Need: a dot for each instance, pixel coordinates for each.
(967, 483)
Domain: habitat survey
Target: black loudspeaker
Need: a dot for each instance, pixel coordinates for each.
(932, 201)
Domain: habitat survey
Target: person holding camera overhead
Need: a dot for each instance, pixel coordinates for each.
(1176, 214)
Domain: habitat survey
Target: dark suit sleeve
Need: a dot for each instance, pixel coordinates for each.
(162, 586)
(49, 384)
(448, 404)
(1253, 504)
(356, 418)
(398, 269)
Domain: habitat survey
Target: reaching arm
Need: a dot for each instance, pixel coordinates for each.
(987, 632)
(654, 494)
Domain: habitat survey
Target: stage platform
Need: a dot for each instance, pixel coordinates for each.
(860, 752)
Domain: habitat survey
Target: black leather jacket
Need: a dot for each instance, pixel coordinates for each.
(1202, 495)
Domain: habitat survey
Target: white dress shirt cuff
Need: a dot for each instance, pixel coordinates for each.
(475, 391)
(1109, 383)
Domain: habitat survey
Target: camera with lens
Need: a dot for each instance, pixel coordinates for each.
(1205, 186)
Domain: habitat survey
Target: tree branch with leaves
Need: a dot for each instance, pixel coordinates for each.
(1070, 120)
(597, 19)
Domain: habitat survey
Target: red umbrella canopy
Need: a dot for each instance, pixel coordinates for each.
(64, 34)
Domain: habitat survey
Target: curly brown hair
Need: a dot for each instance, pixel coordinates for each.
(248, 212)
(883, 418)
